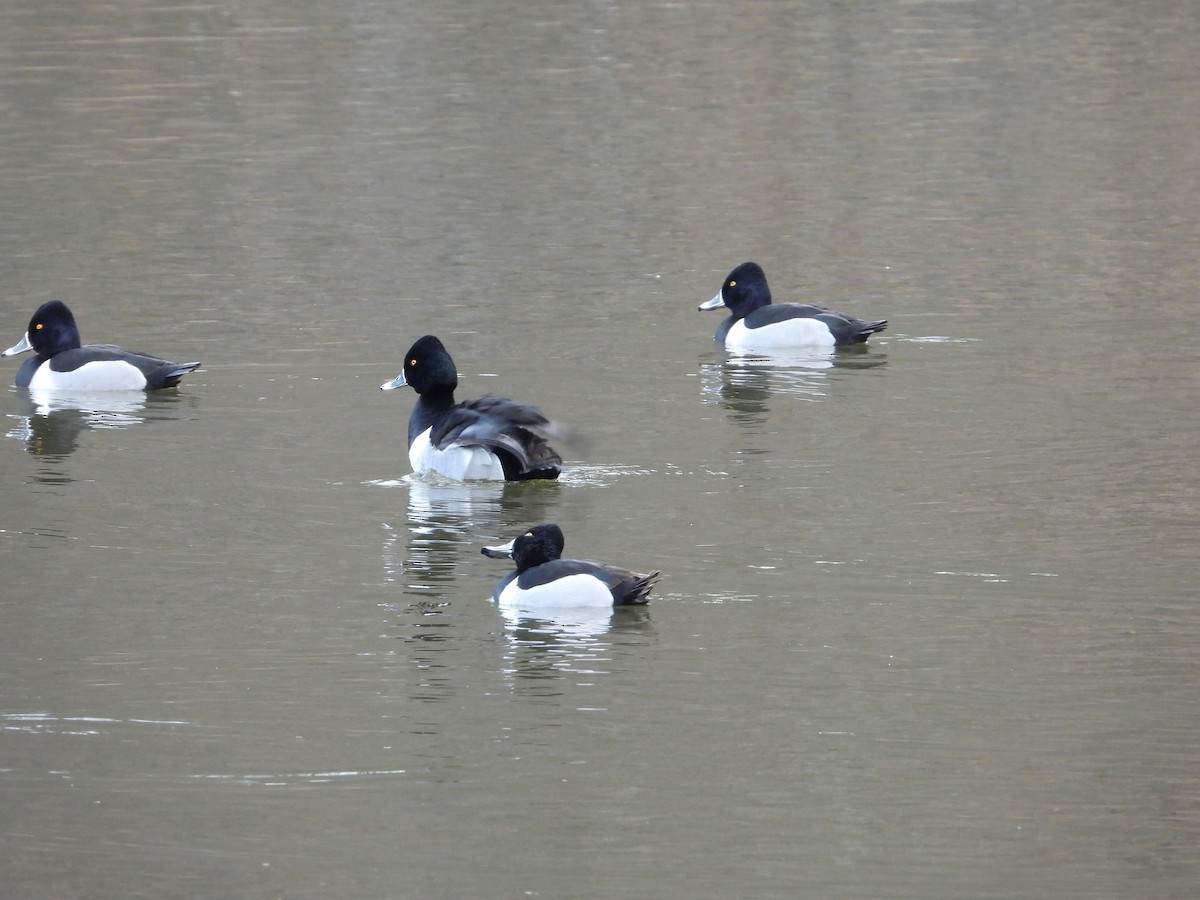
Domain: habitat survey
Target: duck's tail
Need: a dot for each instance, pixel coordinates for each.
(868, 329)
(169, 377)
(638, 593)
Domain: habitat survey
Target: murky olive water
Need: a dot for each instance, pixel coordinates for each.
(927, 626)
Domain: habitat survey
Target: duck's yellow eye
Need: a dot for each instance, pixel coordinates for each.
(412, 362)
(527, 534)
(37, 327)
(733, 284)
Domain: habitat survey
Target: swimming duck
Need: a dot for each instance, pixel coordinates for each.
(543, 578)
(63, 364)
(492, 438)
(755, 323)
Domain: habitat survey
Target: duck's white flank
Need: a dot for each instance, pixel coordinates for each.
(789, 333)
(457, 462)
(101, 375)
(572, 590)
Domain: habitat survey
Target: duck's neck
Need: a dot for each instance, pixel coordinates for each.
(756, 302)
(429, 407)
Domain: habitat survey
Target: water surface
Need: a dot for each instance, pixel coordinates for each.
(928, 624)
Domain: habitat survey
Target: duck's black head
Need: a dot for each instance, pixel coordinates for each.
(745, 289)
(539, 544)
(428, 369)
(52, 330)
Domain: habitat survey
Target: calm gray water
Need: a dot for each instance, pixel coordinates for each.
(928, 625)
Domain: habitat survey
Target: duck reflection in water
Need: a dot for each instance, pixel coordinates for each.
(425, 554)
(547, 646)
(744, 381)
(53, 422)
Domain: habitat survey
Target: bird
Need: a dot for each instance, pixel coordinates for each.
(63, 363)
(492, 438)
(754, 323)
(543, 579)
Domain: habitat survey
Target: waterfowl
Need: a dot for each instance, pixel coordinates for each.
(543, 578)
(63, 363)
(754, 323)
(492, 438)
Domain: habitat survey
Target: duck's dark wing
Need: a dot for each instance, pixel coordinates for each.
(159, 372)
(516, 432)
(627, 588)
(781, 312)
(845, 329)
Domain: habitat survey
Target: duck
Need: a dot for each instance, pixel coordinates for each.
(542, 578)
(754, 323)
(64, 363)
(492, 438)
